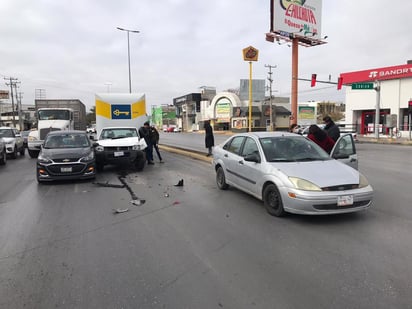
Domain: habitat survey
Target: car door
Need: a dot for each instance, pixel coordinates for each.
(344, 150)
(231, 158)
(249, 171)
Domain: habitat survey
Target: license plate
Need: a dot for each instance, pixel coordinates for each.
(66, 169)
(345, 200)
(118, 154)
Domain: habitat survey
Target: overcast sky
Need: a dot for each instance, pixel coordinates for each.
(72, 49)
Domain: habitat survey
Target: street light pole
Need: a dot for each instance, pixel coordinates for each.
(128, 53)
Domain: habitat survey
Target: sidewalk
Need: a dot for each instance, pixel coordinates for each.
(384, 140)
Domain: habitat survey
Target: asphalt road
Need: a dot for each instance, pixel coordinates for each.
(195, 246)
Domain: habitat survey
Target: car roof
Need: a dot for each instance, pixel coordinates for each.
(8, 128)
(263, 134)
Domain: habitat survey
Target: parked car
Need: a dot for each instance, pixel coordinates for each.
(177, 130)
(290, 173)
(91, 129)
(14, 141)
(3, 153)
(66, 155)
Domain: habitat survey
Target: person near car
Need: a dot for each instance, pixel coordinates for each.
(321, 138)
(331, 128)
(144, 132)
(154, 135)
(209, 138)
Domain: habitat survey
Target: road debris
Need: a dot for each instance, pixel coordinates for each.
(107, 184)
(180, 183)
(137, 202)
(120, 211)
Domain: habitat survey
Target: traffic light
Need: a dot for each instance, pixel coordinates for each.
(313, 81)
(340, 82)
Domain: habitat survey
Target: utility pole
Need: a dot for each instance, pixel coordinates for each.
(12, 83)
(270, 94)
(21, 120)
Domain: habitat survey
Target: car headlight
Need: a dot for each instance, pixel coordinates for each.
(88, 158)
(32, 138)
(363, 182)
(99, 148)
(303, 184)
(43, 160)
(136, 147)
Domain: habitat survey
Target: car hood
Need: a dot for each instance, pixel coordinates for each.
(65, 153)
(322, 173)
(126, 141)
(8, 139)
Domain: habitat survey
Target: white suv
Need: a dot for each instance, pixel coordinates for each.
(13, 140)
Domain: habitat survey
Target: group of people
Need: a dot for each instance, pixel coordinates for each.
(326, 137)
(151, 137)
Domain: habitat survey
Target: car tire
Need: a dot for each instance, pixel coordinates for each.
(273, 201)
(3, 158)
(99, 167)
(33, 153)
(22, 151)
(221, 179)
(140, 162)
(14, 154)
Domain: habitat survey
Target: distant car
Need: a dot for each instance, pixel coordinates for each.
(66, 155)
(290, 173)
(170, 129)
(14, 141)
(25, 135)
(91, 129)
(177, 130)
(3, 153)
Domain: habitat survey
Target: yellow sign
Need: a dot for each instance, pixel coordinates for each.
(250, 54)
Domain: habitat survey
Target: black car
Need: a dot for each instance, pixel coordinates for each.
(66, 155)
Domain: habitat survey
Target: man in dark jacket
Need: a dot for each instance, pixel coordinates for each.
(331, 128)
(209, 138)
(154, 136)
(144, 132)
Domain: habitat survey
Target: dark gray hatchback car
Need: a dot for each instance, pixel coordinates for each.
(66, 155)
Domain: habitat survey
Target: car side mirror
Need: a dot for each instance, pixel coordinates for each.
(252, 158)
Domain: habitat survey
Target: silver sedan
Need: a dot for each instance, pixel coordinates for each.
(290, 173)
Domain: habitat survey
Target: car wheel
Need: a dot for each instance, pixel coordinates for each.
(33, 153)
(273, 201)
(3, 158)
(14, 154)
(221, 179)
(22, 151)
(99, 167)
(140, 161)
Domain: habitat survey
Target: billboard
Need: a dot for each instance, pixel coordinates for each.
(303, 17)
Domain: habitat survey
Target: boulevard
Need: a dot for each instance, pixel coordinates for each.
(195, 246)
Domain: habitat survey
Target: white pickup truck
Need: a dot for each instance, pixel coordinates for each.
(120, 145)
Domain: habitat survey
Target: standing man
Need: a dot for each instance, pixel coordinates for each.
(209, 138)
(331, 128)
(144, 132)
(154, 134)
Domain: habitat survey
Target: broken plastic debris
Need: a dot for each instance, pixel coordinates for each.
(138, 202)
(166, 194)
(119, 210)
(180, 183)
(176, 203)
(107, 184)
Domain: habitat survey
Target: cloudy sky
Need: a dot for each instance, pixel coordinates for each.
(72, 49)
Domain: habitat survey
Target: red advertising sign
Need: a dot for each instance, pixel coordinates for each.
(395, 72)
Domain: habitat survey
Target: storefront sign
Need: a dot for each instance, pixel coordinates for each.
(223, 110)
(395, 72)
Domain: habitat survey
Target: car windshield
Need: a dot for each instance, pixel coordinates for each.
(291, 149)
(118, 133)
(6, 133)
(67, 141)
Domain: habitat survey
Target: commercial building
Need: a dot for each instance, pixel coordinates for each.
(386, 90)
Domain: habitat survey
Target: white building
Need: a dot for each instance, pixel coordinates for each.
(394, 97)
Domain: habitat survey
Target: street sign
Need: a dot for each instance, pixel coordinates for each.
(362, 86)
